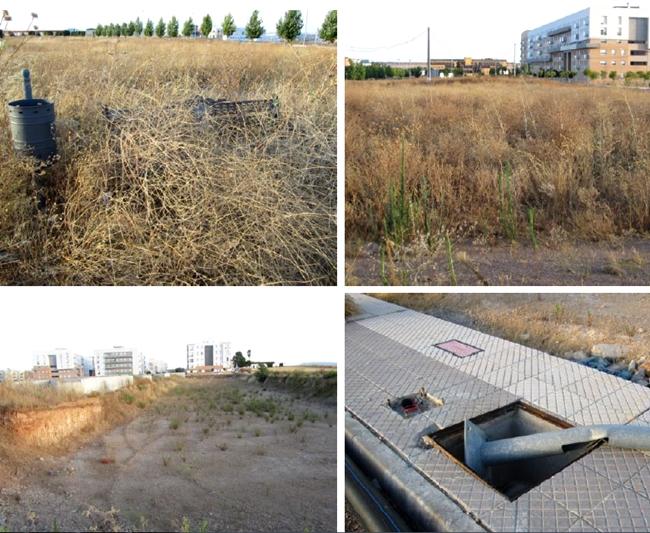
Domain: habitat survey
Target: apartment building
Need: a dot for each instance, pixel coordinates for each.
(209, 356)
(118, 361)
(12, 376)
(60, 364)
(155, 366)
(599, 38)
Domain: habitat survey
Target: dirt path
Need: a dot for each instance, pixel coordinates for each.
(216, 455)
(622, 262)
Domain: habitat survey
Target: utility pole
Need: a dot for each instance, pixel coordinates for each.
(429, 54)
(514, 60)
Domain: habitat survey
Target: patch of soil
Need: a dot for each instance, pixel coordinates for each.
(192, 461)
(620, 262)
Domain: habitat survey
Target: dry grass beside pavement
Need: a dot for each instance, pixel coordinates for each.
(480, 157)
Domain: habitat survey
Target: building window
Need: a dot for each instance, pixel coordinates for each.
(619, 32)
(620, 20)
(613, 52)
(613, 62)
(604, 19)
(622, 51)
(603, 52)
(603, 62)
(623, 63)
(603, 31)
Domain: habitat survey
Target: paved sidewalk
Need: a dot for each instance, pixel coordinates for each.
(390, 352)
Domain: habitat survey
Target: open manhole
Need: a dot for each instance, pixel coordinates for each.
(414, 404)
(512, 479)
(458, 348)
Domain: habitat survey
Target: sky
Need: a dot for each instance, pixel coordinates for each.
(472, 28)
(290, 325)
(66, 14)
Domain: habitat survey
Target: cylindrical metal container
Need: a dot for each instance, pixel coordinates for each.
(32, 127)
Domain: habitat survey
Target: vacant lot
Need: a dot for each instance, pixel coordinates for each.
(159, 193)
(215, 454)
(472, 166)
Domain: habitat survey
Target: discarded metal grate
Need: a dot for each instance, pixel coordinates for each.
(518, 419)
(458, 348)
(414, 404)
(201, 107)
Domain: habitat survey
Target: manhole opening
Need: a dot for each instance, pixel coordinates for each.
(458, 348)
(414, 404)
(515, 420)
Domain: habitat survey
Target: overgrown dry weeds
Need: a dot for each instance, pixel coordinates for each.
(160, 198)
(580, 157)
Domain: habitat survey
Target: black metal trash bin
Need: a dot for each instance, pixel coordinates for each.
(32, 127)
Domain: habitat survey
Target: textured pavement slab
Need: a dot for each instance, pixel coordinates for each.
(392, 352)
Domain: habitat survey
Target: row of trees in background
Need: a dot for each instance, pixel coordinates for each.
(377, 71)
(288, 27)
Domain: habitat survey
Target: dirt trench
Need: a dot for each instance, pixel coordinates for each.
(207, 457)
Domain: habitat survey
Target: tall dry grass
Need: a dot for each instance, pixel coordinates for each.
(159, 198)
(479, 155)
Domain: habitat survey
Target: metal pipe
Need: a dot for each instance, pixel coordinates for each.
(427, 508)
(374, 511)
(27, 84)
(481, 453)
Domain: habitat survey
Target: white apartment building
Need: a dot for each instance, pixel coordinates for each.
(118, 361)
(62, 359)
(601, 37)
(209, 355)
(156, 366)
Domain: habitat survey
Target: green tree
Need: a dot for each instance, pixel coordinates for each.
(130, 29)
(327, 31)
(228, 25)
(254, 28)
(188, 27)
(148, 28)
(111, 30)
(206, 25)
(117, 30)
(172, 27)
(613, 75)
(138, 26)
(290, 25)
(99, 30)
(240, 361)
(160, 28)
(125, 29)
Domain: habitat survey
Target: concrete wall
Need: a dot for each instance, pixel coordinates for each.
(95, 384)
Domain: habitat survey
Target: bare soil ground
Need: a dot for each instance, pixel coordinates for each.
(619, 262)
(557, 323)
(213, 455)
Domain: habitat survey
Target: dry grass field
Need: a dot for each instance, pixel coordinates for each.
(438, 175)
(163, 198)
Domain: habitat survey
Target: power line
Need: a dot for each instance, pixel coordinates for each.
(362, 49)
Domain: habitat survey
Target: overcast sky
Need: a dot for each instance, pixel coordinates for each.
(290, 325)
(64, 14)
(472, 28)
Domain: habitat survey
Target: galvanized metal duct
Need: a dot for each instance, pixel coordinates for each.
(481, 453)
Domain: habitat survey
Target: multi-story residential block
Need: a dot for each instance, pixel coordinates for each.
(597, 38)
(11, 376)
(156, 366)
(209, 357)
(60, 363)
(118, 361)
